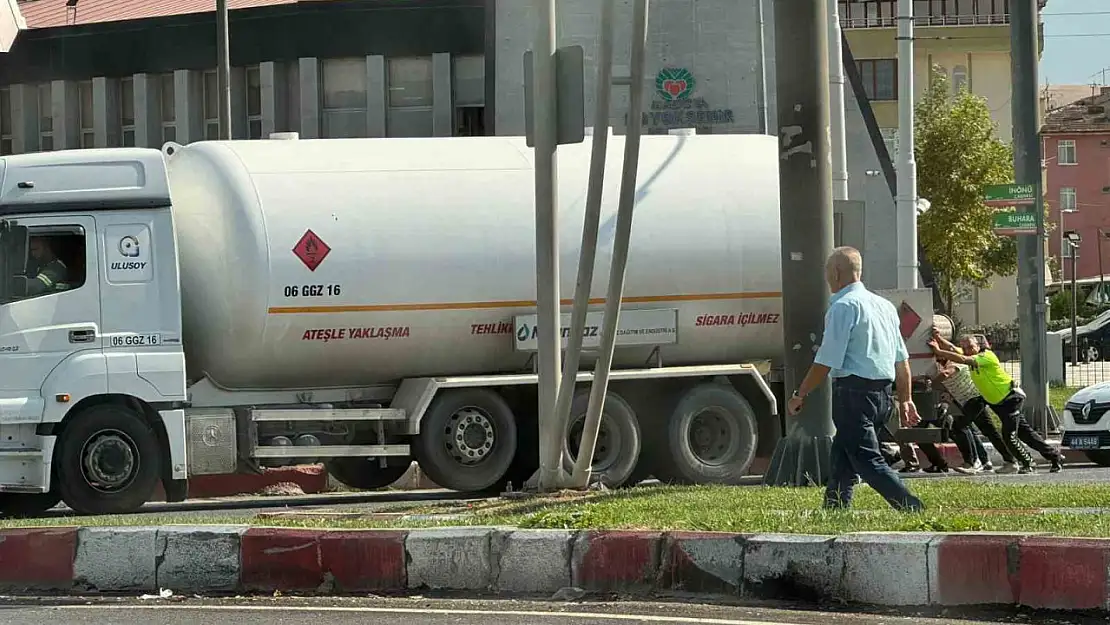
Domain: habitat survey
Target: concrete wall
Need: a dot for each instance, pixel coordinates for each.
(717, 41)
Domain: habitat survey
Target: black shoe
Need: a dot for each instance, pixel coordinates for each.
(1057, 465)
(935, 469)
(909, 469)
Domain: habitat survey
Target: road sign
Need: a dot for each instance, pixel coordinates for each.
(1010, 195)
(1010, 224)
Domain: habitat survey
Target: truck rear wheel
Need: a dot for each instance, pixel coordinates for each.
(711, 436)
(19, 505)
(618, 439)
(467, 439)
(108, 461)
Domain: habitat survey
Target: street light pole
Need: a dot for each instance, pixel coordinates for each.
(223, 69)
(1100, 234)
(1074, 306)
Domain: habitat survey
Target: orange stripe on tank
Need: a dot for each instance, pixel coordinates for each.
(643, 299)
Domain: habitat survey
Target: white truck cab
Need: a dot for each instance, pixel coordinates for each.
(90, 329)
(1087, 423)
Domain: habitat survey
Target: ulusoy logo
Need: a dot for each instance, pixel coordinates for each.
(674, 83)
(129, 247)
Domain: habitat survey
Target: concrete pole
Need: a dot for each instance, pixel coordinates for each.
(625, 205)
(806, 212)
(588, 252)
(761, 86)
(223, 68)
(836, 101)
(907, 167)
(1025, 104)
(1074, 306)
(547, 245)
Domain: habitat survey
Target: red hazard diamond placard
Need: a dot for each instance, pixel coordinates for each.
(908, 319)
(311, 249)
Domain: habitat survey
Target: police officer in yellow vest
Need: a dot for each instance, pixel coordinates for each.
(51, 272)
(1005, 398)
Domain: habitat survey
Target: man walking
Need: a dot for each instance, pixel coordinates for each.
(862, 349)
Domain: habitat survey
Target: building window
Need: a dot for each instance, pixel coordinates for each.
(468, 78)
(1067, 199)
(46, 118)
(1065, 152)
(211, 96)
(959, 78)
(880, 78)
(344, 85)
(5, 121)
(168, 108)
(410, 97)
(254, 102)
(85, 113)
(127, 111)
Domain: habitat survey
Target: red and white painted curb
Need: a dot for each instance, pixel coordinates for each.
(895, 569)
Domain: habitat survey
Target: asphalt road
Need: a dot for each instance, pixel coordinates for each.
(420, 611)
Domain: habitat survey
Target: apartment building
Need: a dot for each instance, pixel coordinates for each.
(969, 40)
(1076, 140)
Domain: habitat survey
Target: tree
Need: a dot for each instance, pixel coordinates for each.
(957, 154)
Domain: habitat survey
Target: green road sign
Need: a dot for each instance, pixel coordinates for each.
(1015, 223)
(1010, 195)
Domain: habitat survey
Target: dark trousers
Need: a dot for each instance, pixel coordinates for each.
(974, 412)
(1017, 429)
(857, 406)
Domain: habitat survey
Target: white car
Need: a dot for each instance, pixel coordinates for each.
(1087, 423)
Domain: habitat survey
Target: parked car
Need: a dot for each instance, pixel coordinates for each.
(1094, 339)
(1087, 423)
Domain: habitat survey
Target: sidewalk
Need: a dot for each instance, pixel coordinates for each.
(892, 569)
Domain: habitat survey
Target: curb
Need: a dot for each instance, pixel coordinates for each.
(892, 569)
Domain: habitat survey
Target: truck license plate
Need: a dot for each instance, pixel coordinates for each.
(1083, 442)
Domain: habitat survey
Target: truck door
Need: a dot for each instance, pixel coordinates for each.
(50, 327)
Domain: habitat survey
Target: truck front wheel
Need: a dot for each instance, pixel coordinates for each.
(467, 439)
(711, 436)
(107, 461)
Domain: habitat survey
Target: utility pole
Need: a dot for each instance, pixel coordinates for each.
(1024, 56)
(223, 68)
(545, 130)
(906, 215)
(1074, 306)
(806, 215)
(836, 101)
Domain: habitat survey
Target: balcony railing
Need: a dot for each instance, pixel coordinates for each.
(883, 13)
(924, 20)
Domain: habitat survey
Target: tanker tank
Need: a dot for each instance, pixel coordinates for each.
(347, 262)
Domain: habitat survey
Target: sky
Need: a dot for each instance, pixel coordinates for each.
(1077, 42)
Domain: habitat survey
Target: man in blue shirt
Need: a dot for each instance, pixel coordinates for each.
(863, 350)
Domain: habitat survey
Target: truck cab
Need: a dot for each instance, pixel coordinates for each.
(91, 357)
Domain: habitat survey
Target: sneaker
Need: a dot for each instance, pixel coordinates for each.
(1007, 467)
(909, 469)
(1057, 465)
(988, 468)
(969, 469)
(1027, 470)
(935, 469)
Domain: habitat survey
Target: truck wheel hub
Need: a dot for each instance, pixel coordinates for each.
(470, 435)
(713, 438)
(109, 461)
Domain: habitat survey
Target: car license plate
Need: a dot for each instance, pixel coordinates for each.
(1083, 442)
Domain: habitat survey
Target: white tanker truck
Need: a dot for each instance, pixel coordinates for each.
(222, 307)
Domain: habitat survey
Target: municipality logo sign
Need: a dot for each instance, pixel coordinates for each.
(674, 83)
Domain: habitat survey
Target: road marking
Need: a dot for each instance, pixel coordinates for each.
(650, 618)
